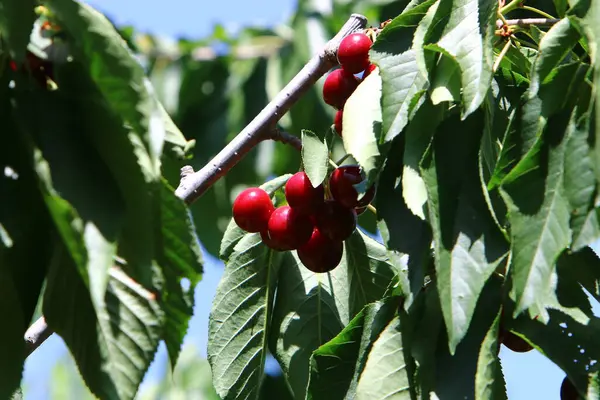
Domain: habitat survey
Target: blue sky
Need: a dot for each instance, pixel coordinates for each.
(529, 376)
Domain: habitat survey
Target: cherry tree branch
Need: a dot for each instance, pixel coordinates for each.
(37, 333)
(192, 186)
(526, 22)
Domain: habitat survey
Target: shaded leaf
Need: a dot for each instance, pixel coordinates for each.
(385, 375)
(362, 124)
(467, 242)
(315, 157)
(584, 267)
(400, 75)
(312, 308)
(16, 22)
(117, 74)
(489, 379)
(114, 346)
(338, 362)
(239, 318)
(464, 30)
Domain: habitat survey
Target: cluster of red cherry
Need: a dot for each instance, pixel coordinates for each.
(353, 56)
(312, 223)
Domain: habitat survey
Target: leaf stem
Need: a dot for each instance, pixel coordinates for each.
(501, 56)
(540, 12)
(193, 186)
(513, 5)
(526, 22)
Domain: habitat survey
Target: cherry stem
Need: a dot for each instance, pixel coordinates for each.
(192, 186)
(501, 56)
(526, 22)
(540, 12)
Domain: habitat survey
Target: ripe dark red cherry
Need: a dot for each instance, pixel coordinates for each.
(301, 194)
(338, 86)
(336, 221)
(360, 210)
(353, 53)
(252, 209)
(321, 254)
(515, 343)
(568, 390)
(341, 185)
(264, 235)
(337, 122)
(288, 228)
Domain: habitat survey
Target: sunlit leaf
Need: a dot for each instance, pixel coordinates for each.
(315, 157)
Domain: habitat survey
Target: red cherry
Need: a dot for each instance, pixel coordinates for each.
(264, 235)
(301, 194)
(360, 210)
(370, 68)
(321, 254)
(337, 122)
(353, 53)
(252, 209)
(13, 65)
(568, 390)
(338, 86)
(515, 343)
(336, 221)
(341, 185)
(288, 228)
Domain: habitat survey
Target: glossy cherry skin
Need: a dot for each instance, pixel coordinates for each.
(301, 195)
(338, 86)
(353, 53)
(288, 228)
(321, 254)
(336, 221)
(341, 186)
(515, 343)
(337, 122)
(266, 239)
(252, 209)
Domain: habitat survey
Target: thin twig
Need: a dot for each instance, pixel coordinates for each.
(193, 186)
(37, 333)
(287, 138)
(526, 22)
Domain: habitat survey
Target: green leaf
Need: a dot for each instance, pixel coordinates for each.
(77, 187)
(362, 124)
(580, 180)
(457, 375)
(467, 242)
(579, 349)
(114, 346)
(313, 308)
(538, 212)
(181, 259)
(315, 157)
(553, 48)
(400, 75)
(446, 81)
(464, 30)
(489, 379)
(234, 233)
(385, 375)
(117, 74)
(339, 362)
(239, 318)
(16, 23)
(584, 267)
